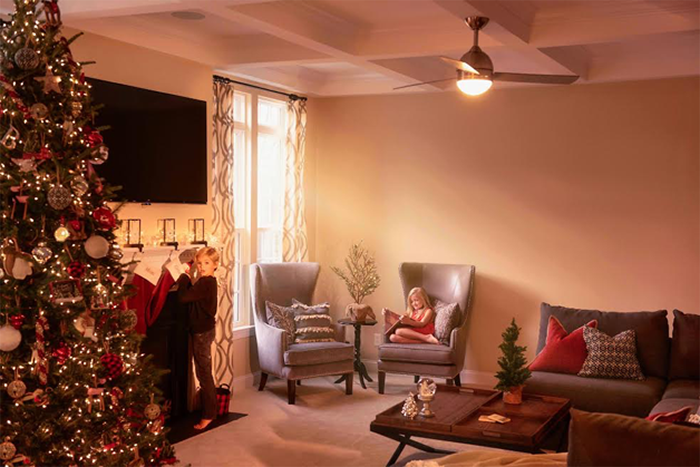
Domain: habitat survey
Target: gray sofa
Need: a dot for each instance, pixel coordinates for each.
(672, 377)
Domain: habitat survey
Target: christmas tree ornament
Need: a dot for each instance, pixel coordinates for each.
(116, 253)
(76, 108)
(97, 247)
(76, 229)
(27, 58)
(79, 185)
(59, 197)
(25, 165)
(105, 218)
(152, 410)
(21, 268)
(61, 234)
(39, 111)
(100, 155)
(410, 407)
(9, 141)
(10, 338)
(113, 364)
(52, 13)
(128, 319)
(7, 449)
(75, 269)
(66, 292)
(50, 81)
(62, 353)
(99, 300)
(17, 320)
(41, 252)
(85, 325)
(2, 273)
(94, 138)
(16, 389)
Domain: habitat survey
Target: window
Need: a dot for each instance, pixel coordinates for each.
(259, 141)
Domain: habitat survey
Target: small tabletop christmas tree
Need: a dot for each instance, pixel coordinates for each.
(514, 371)
(78, 393)
(361, 280)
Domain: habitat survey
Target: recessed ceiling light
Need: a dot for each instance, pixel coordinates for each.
(188, 15)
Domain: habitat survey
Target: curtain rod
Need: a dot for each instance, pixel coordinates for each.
(292, 97)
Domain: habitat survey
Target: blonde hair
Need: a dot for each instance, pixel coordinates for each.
(210, 253)
(417, 291)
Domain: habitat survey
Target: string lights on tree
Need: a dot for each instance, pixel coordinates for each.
(76, 390)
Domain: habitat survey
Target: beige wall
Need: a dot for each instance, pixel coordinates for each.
(586, 196)
(136, 66)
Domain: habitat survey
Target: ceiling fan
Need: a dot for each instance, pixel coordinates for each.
(475, 73)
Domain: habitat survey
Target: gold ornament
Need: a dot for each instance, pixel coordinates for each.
(76, 107)
(27, 59)
(16, 389)
(7, 450)
(38, 111)
(59, 198)
(61, 234)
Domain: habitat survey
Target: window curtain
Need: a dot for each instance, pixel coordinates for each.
(223, 227)
(294, 239)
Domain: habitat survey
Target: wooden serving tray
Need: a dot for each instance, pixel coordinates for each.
(451, 405)
(530, 421)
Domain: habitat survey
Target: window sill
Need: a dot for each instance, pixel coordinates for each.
(243, 332)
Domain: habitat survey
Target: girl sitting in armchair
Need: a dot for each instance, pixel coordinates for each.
(417, 324)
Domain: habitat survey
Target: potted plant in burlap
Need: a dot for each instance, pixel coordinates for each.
(514, 372)
(361, 279)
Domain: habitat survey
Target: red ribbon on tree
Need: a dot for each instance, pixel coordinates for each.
(17, 320)
(62, 353)
(42, 364)
(94, 138)
(5, 83)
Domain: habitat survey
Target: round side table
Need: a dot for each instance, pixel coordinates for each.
(359, 366)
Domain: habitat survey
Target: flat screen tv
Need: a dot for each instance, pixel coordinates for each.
(157, 144)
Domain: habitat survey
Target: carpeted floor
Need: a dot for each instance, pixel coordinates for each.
(324, 428)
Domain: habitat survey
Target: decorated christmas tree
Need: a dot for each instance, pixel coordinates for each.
(74, 388)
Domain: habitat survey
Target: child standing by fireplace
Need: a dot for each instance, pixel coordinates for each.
(202, 300)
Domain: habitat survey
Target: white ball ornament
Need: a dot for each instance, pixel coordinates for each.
(9, 338)
(96, 247)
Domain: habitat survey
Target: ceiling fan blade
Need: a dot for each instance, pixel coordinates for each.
(527, 78)
(464, 66)
(424, 82)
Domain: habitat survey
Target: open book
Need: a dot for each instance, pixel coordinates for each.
(392, 321)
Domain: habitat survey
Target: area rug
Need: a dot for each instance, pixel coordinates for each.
(183, 428)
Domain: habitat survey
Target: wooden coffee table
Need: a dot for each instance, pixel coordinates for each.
(457, 411)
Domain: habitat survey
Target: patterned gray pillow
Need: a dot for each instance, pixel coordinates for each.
(282, 317)
(611, 357)
(312, 322)
(447, 317)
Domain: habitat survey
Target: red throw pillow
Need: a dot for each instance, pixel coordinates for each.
(679, 415)
(563, 353)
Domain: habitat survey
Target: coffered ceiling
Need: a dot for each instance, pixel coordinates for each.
(346, 47)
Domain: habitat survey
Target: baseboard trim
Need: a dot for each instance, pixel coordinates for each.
(245, 382)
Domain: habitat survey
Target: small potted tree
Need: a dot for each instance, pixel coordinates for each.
(361, 279)
(514, 372)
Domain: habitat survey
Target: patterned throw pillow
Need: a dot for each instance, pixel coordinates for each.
(447, 317)
(281, 317)
(611, 357)
(313, 323)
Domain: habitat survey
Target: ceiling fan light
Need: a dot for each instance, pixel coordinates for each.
(474, 86)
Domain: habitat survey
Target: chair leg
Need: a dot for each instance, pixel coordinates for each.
(348, 383)
(291, 391)
(416, 378)
(298, 382)
(382, 379)
(458, 380)
(263, 381)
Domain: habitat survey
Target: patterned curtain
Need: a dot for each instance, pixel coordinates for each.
(223, 227)
(294, 240)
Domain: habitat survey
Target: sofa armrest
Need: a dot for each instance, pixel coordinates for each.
(339, 332)
(272, 344)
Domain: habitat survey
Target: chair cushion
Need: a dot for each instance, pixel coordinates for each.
(417, 353)
(312, 323)
(600, 439)
(315, 353)
(563, 353)
(683, 389)
(628, 397)
(669, 405)
(651, 328)
(447, 317)
(685, 346)
(610, 357)
(282, 317)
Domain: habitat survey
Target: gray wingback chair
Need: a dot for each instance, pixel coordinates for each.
(279, 283)
(451, 283)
